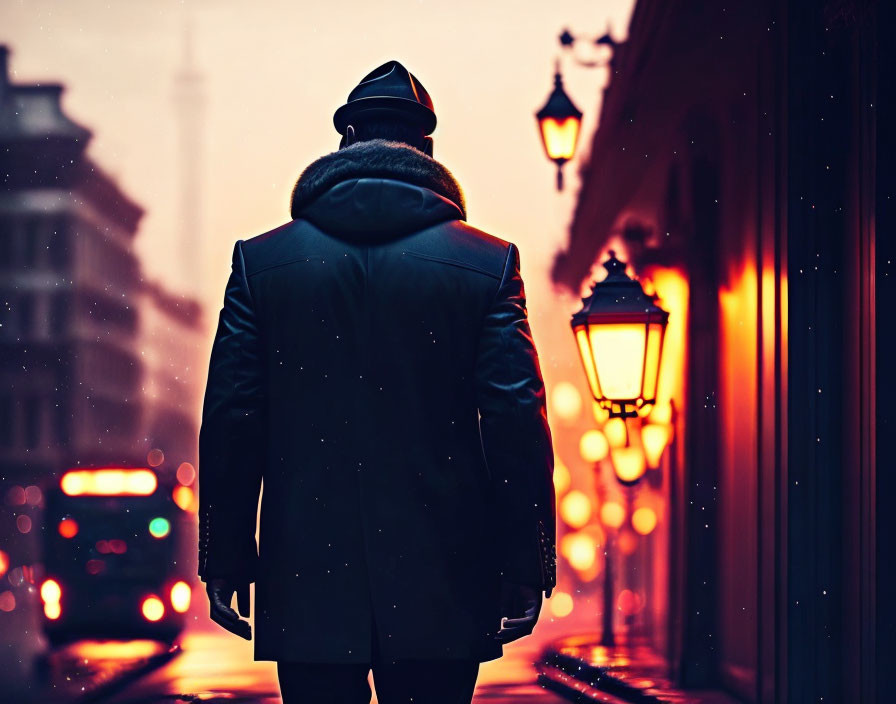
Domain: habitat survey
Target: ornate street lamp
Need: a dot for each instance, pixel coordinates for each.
(558, 123)
(619, 332)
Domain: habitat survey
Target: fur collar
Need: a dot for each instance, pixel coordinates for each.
(375, 158)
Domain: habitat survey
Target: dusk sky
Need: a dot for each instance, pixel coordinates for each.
(274, 73)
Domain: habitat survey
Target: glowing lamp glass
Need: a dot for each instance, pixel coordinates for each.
(159, 527)
(152, 608)
(619, 335)
(560, 137)
(180, 597)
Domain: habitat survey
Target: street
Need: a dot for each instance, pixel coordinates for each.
(215, 666)
(210, 664)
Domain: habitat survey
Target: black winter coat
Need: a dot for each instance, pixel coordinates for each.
(374, 366)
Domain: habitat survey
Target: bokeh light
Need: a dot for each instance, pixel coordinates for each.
(155, 457)
(612, 514)
(566, 401)
(575, 509)
(159, 527)
(562, 477)
(152, 608)
(68, 527)
(615, 432)
(183, 496)
(593, 446)
(579, 550)
(561, 604)
(180, 596)
(628, 463)
(186, 473)
(644, 520)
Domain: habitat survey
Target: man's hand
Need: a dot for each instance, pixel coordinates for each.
(220, 594)
(520, 606)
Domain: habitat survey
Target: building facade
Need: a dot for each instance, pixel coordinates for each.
(739, 158)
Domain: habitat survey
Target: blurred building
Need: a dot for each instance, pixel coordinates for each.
(97, 366)
(738, 167)
(171, 334)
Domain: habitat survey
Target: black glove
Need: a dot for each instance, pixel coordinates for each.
(520, 606)
(220, 594)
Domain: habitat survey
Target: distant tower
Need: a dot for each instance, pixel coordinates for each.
(190, 105)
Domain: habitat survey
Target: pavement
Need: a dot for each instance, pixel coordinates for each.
(217, 667)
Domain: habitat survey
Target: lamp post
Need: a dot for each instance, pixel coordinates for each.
(559, 121)
(619, 332)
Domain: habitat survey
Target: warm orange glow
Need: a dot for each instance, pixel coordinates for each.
(566, 401)
(593, 446)
(68, 527)
(109, 482)
(612, 514)
(616, 432)
(52, 610)
(575, 509)
(153, 609)
(50, 591)
(91, 650)
(629, 463)
(183, 496)
(654, 438)
(644, 520)
(673, 289)
(186, 473)
(562, 477)
(560, 137)
(4, 563)
(561, 604)
(180, 597)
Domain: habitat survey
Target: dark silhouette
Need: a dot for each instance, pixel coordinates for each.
(374, 365)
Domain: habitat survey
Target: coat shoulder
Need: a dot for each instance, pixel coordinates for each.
(277, 246)
(463, 243)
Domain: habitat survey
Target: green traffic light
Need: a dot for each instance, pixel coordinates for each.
(159, 527)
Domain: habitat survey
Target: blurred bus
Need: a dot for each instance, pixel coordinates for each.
(111, 547)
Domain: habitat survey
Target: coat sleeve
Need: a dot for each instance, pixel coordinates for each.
(515, 435)
(232, 437)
